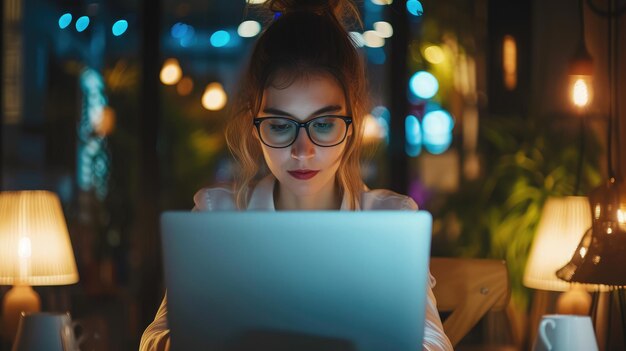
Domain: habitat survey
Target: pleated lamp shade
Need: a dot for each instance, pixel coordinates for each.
(564, 221)
(35, 246)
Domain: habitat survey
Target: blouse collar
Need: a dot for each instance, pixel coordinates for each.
(262, 198)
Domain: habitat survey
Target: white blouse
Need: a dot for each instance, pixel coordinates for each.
(156, 334)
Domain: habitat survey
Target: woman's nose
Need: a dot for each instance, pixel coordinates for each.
(303, 148)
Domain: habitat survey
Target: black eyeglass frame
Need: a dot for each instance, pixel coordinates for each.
(257, 123)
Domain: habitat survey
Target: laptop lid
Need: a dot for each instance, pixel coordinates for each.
(333, 280)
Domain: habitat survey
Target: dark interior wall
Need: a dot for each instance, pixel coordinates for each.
(149, 196)
(508, 18)
(555, 35)
(1, 94)
(622, 92)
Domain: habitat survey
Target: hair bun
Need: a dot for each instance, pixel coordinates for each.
(315, 6)
(345, 11)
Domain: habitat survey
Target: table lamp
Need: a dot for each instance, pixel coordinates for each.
(600, 257)
(563, 222)
(35, 249)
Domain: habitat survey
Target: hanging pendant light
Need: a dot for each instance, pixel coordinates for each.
(580, 70)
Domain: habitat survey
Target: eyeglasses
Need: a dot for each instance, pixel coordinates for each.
(280, 132)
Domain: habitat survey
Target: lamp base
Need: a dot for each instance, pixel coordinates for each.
(21, 298)
(575, 301)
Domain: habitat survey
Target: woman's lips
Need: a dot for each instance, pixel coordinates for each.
(303, 174)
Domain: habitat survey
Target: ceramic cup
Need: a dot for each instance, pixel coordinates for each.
(46, 332)
(559, 332)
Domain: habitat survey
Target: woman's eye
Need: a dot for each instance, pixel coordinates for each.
(282, 127)
(323, 126)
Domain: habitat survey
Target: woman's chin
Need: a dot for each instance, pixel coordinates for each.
(301, 188)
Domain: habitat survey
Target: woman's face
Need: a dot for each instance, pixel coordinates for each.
(306, 98)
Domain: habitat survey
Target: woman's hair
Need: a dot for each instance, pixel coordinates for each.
(306, 37)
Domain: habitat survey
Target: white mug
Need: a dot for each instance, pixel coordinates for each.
(46, 332)
(560, 332)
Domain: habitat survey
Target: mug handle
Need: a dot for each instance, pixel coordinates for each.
(70, 343)
(83, 334)
(542, 332)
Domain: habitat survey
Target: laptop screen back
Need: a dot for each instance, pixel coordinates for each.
(305, 280)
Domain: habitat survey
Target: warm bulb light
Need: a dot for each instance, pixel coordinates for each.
(373, 39)
(509, 62)
(580, 93)
(24, 248)
(171, 72)
(214, 97)
(374, 130)
(384, 29)
(248, 29)
(105, 125)
(434, 54)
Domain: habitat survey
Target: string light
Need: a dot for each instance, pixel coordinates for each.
(415, 7)
(220, 38)
(214, 97)
(82, 23)
(384, 29)
(373, 39)
(434, 54)
(171, 72)
(424, 85)
(249, 29)
(65, 20)
(119, 27)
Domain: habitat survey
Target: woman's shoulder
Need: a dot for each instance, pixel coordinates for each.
(219, 197)
(384, 199)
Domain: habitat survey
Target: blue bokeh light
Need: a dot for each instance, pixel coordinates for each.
(415, 7)
(82, 23)
(437, 127)
(412, 130)
(439, 146)
(179, 30)
(424, 85)
(119, 27)
(220, 38)
(412, 150)
(381, 111)
(437, 122)
(93, 160)
(188, 40)
(65, 20)
(376, 55)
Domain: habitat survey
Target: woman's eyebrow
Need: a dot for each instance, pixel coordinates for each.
(275, 111)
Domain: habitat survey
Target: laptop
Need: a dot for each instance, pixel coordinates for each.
(330, 280)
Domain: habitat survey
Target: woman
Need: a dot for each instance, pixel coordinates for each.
(299, 126)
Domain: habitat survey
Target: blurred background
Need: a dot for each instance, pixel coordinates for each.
(119, 108)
